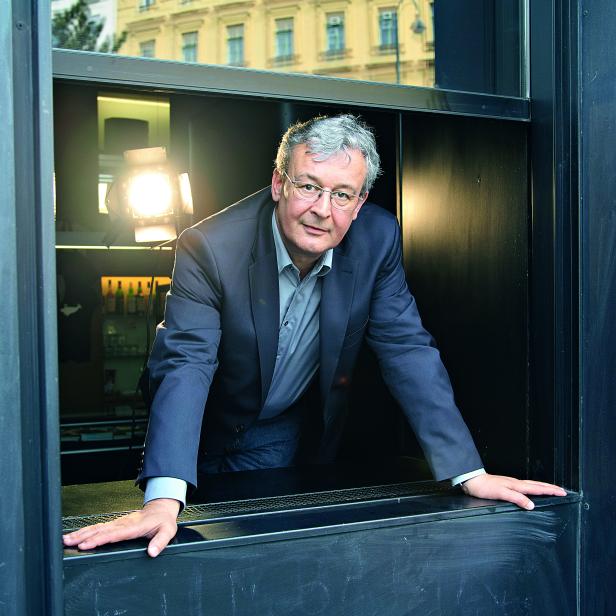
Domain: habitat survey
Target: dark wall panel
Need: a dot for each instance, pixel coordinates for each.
(465, 228)
(477, 46)
(228, 145)
(598, 293)
(515, 563)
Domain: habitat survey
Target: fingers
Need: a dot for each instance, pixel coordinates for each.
(539, 489)
(509, 489)
(161, 539)
(75, 537)
(517, 498)
(127, 527)
(157, 521)
(539, 483)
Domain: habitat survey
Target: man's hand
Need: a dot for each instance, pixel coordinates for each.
(156, 521)
(509, 489)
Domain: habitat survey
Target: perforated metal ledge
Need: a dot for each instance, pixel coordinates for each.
(212, 511)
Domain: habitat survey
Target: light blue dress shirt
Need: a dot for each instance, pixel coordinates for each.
(297, 358)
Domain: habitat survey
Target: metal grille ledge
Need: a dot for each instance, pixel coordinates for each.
(214, 511)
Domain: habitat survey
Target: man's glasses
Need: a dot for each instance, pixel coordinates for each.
(340, 199)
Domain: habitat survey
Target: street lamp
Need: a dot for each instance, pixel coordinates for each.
(417, 27)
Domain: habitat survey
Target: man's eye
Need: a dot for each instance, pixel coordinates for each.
(341, 196)
(308, 187)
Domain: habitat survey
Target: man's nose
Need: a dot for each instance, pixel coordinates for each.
(322, 206)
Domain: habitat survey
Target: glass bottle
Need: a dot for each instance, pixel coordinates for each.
(110, 302)
(119, 299)
(131, 302)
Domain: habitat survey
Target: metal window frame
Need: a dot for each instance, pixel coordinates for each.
(30, 505)
(219, 79)
(29, 437)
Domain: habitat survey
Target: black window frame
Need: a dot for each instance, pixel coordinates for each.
(30, 435)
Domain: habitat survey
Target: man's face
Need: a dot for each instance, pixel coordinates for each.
(309, 228)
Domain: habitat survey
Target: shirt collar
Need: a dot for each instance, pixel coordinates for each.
(321, 267)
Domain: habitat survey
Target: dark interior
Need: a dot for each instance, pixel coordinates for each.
(461, 195)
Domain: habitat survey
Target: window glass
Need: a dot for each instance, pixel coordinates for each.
(147, 49)
(189, 46)
(476, 45)
(284, 40)
(335, 33)
(388, 28)
(235, 45)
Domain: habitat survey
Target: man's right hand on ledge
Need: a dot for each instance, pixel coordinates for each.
(157, 521)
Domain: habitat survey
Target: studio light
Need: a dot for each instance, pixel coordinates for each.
(151, 196)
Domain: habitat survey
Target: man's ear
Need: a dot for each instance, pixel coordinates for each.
(360, 202)
(277, 184)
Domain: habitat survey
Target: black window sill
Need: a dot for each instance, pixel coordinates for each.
(281, 515)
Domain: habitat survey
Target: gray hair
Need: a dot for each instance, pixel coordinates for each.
(326, 136)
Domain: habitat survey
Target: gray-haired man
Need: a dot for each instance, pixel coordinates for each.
(270, 301)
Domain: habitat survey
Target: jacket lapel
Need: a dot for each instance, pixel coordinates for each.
(336, 300)
(264, 298)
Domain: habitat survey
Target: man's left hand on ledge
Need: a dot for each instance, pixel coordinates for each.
(499, 487)
(157, 521)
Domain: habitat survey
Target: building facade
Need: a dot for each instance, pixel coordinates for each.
(372, 40)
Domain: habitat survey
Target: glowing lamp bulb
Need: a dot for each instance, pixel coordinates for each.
(150, 194)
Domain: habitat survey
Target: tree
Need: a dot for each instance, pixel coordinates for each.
(75, 28)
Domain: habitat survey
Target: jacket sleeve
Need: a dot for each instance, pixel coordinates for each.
(414, 373)
(183, 362)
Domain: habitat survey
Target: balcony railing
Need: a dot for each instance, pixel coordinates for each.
(334, 54)
(286, 60)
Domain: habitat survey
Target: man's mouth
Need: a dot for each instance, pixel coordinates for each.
(314, 230)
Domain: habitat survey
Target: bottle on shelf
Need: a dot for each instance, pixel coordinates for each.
(119, 299)
(110, 302)
(131, 300)
(149, 298)
(140, 300)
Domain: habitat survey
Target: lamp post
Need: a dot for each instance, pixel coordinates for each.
(417, 27)
(397, 43)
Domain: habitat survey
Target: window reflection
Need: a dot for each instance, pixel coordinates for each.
(189, 46)
(147, 49)
(388, 29)
(235, 45)
(335, 33)
(284, 40)
(414, 42)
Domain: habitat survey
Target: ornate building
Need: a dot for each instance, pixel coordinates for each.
(373, 40)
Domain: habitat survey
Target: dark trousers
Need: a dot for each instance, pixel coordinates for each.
(268, 443)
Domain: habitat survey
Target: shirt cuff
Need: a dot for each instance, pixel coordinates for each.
(166, 487)
(458, 479)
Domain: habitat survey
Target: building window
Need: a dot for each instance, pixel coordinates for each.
(144, 5)
(235, 45)
(388, 28)
(335, 33)
(147, 49)
(284, 39)
(189, 46)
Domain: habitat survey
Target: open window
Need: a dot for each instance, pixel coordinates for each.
(460, 190)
